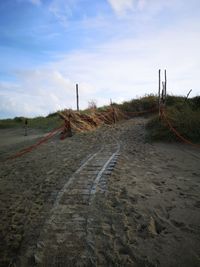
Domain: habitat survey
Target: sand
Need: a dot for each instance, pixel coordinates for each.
(103, 198)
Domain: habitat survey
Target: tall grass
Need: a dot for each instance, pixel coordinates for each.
(184, 115)
(141, 104)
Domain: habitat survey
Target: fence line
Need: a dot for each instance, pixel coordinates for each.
(40, 142)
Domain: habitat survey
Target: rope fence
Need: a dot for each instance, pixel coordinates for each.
(40, 142)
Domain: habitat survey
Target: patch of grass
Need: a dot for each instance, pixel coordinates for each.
(184, 116)
(144, 103)
(11, 123)
(43, 123)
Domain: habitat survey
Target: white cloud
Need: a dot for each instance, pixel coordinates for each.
(127, 67)
(121, 6)
(40, 92)
(62, 10)
(37, 93)
(148, 8)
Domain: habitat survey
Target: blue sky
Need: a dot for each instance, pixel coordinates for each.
(112, 48)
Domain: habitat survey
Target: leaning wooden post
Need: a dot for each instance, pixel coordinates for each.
(159, 92)
(77, 97)
(188, 94)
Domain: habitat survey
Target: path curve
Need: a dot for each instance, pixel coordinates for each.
(64, 240)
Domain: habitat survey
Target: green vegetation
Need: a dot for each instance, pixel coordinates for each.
(42, 123)
(183, 114)
(147, 102)
(11, 123)
(46, 123)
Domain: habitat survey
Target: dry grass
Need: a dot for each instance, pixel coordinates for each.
(81, 122)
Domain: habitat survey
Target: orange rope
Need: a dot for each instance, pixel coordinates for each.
(41, 141)
(183, 139)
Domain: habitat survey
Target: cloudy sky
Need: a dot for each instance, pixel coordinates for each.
(111, 48)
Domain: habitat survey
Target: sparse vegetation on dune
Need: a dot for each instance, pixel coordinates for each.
(46, 123)
(53, 119)
(43, 123)
(147, 102)
(184, 114)
(11, 123)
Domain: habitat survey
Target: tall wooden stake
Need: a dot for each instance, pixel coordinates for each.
(77, 97)
(159, 91)
(165, 85)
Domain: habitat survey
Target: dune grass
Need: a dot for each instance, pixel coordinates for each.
(141, 104)
(41, 123)
(184, 115)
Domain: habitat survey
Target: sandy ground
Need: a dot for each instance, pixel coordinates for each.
(144, 211)
(13, 140)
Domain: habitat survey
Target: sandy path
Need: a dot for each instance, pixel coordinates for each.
(147, 214)
(10, 137)
(14, 140)
(151, 214)
(67, 229)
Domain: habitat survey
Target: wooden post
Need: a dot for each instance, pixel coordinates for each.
(113, 111)
(163, 93)
(26, 127)
(165, 85)
(159, 92)
(77, 97)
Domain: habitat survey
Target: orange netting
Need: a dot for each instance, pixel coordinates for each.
(41, 141)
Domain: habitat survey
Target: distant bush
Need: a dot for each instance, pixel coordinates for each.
(54, 114)
(92, 104)
(19, 119)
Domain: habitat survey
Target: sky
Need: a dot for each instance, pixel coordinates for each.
(112, 48)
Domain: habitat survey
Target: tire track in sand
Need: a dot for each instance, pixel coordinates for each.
(64, 238)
